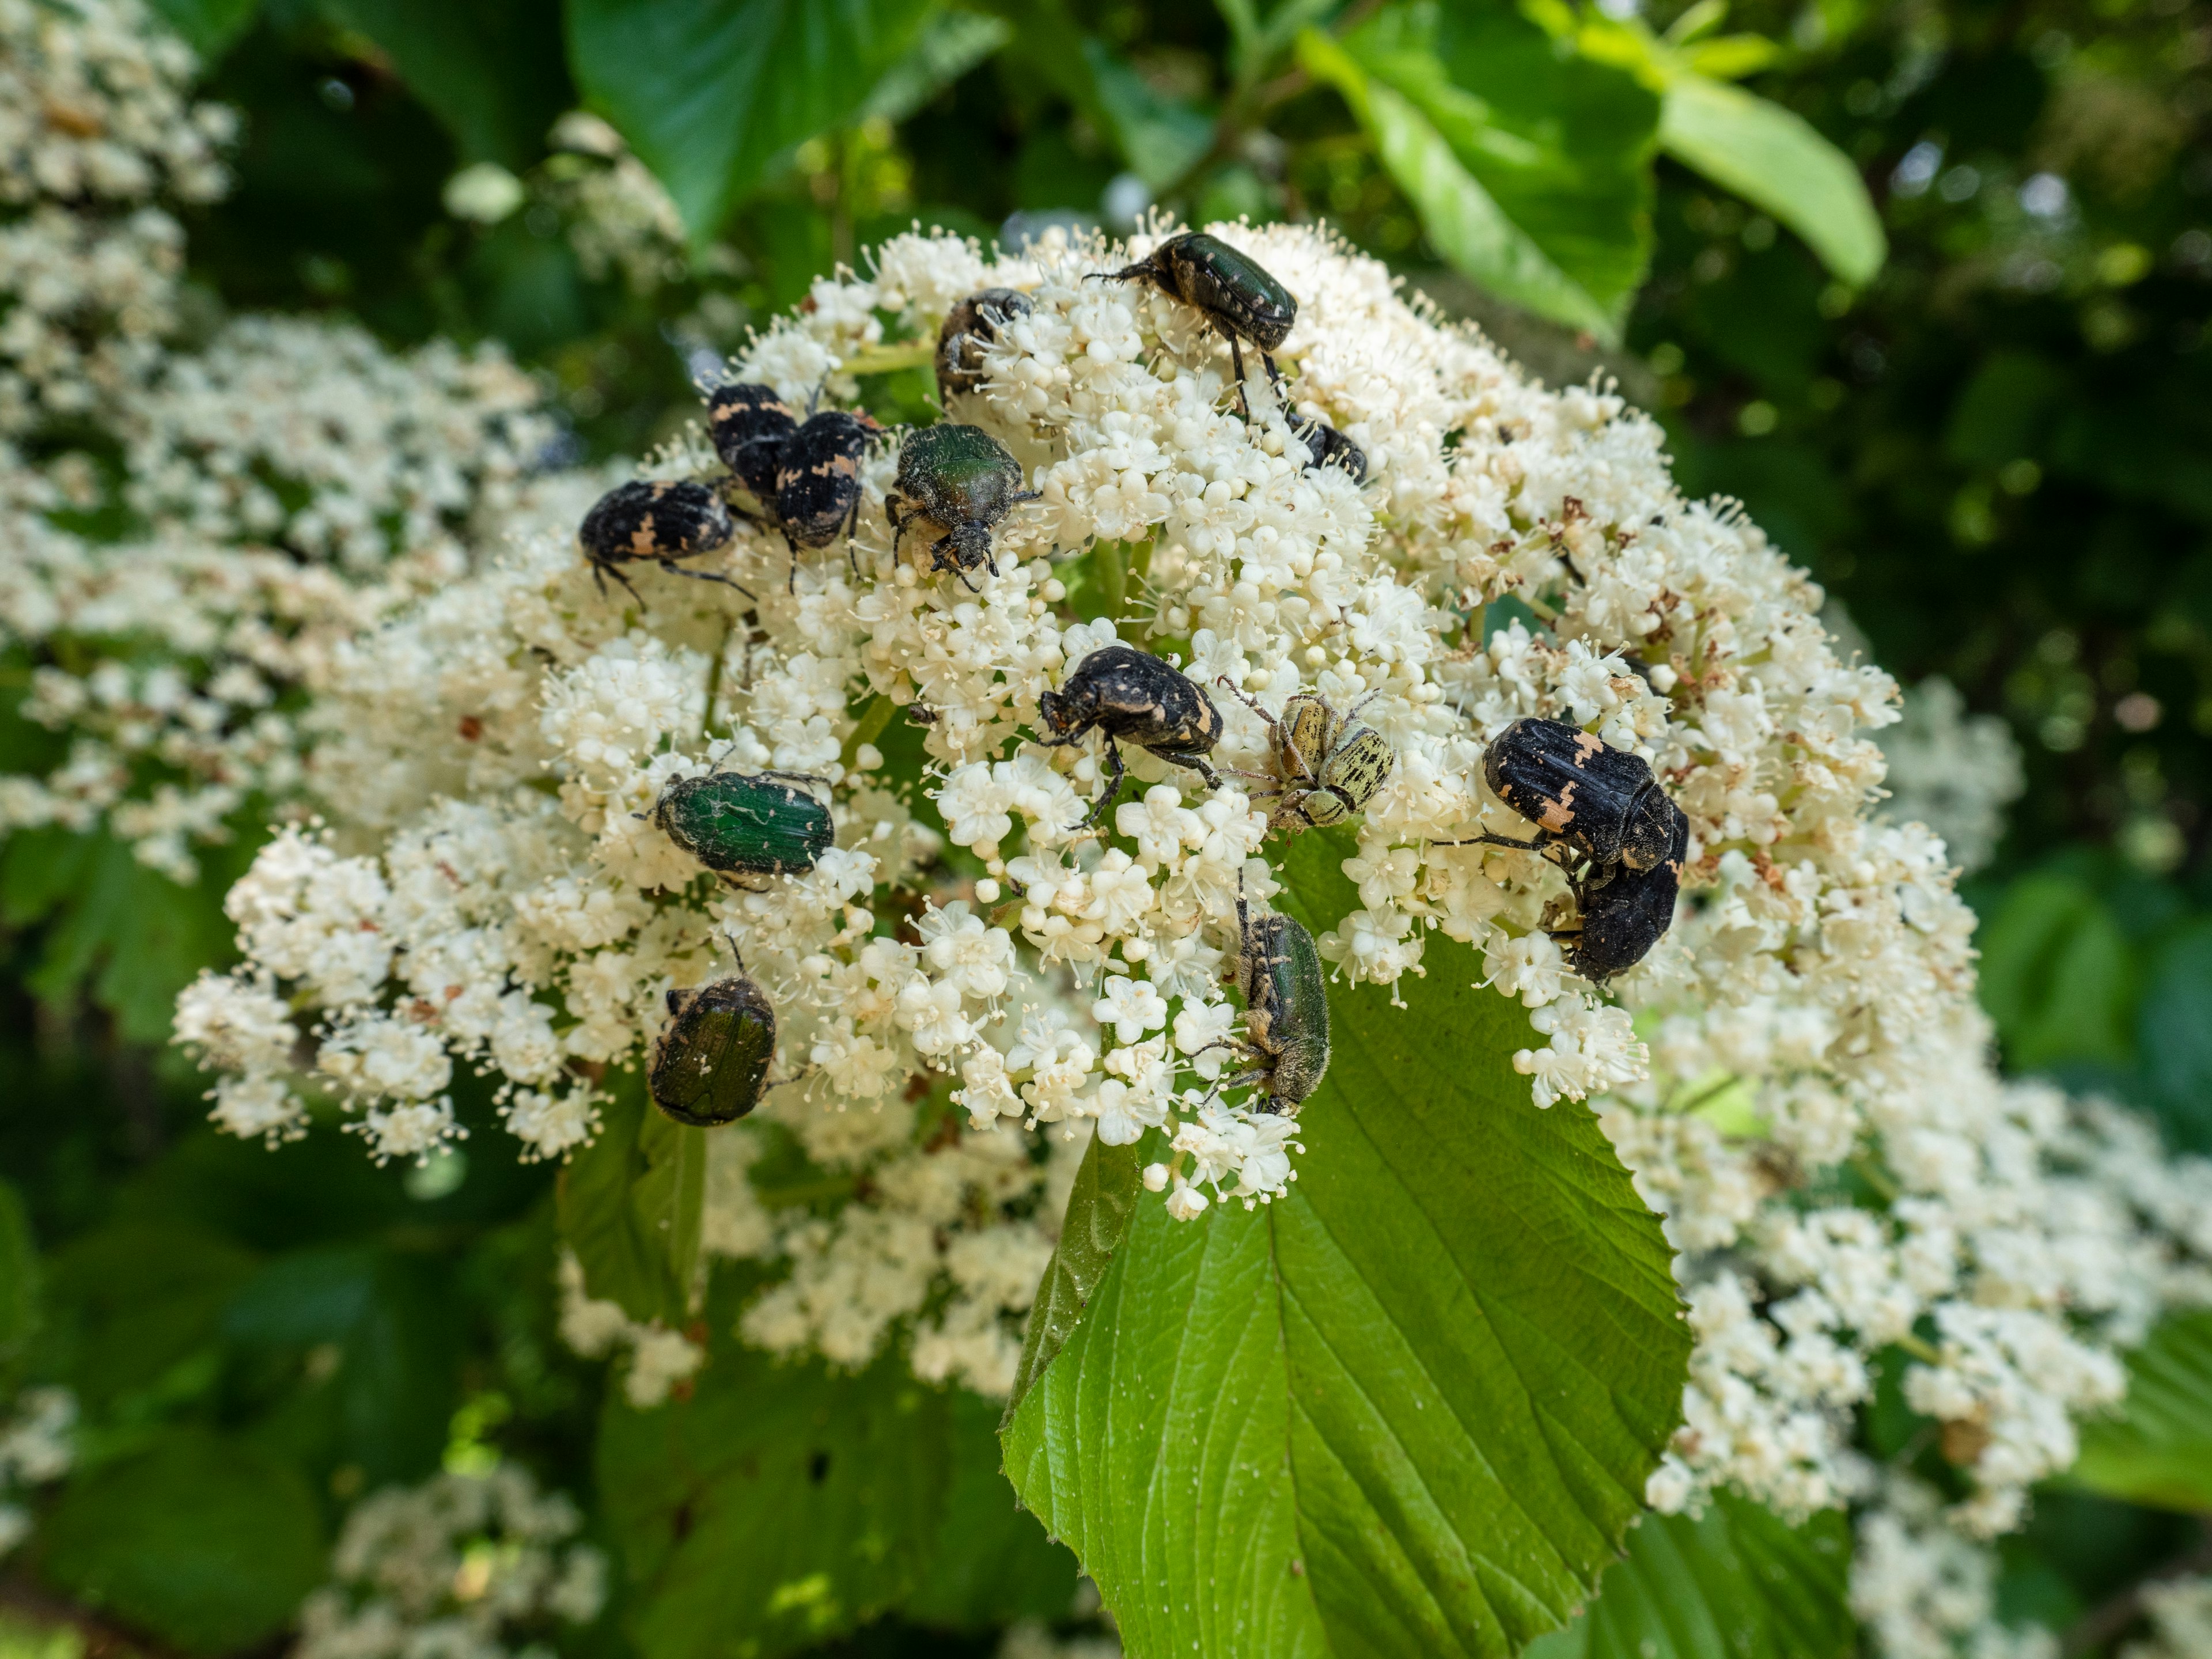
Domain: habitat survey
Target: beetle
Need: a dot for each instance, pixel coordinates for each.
(1130, 694)
(818, 479)
(962, 478)
(968, 326)
(749, 425)
(1278, 971)
(1327, 765)
(741, 824)
(655, 523)
(709, 1064)
(1622, 919)
(1329, 446)
(1237, 294)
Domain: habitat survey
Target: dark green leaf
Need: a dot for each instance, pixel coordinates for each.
(781, 1501)
(710, 95)
(208, 25)
(951, 43)
(491, 70)
(1161, 138)
(1562, 144)
(2174, 1036)
(630, 1205)
(205, 1541)
(19, 1280)
(992, 1562)
(2057, 975)
(1409, 1408)
(1773, 159)
(1463, 222)
(2159, 1450)
(127, 1303)
(1735, 1583)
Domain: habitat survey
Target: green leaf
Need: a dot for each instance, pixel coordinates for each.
(1099, 1206)
(491, 70)
(19, 1280)
(2173, 1034)
(2159, 1450)
(1161, 138)
(1409, 1408)
(2057, 975)
(1463, 222)
(208, 25)
(784, 1501)
(1774, 159)
(1562, 143)
(630, 1205)
(206, 1541)
(992, 1561)
(129, 1304)
(951, 43)
(1735, 1583)
(710, 95)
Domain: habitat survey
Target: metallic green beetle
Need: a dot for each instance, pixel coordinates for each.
(1278, 972)
(1327, 765)
(746, 824)
(710, 1061)
(961, 478)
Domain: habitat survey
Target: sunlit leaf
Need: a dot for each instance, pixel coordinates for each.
(630, 1205)
(2159, 1448)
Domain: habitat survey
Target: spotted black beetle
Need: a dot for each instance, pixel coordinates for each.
(749, 425)
(962, 478)
(1329, 447)
(655, 523)
(1278, 971)
(709, 1064)
(1238, 295)
(818, 479)
(740, 823)
(1622, 919)
(968, 326)
(1130, 694)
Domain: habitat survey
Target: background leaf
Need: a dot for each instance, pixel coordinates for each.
(1162, 137)
(631, 1204)
(2159, 1450)
(208, 25)
(1410, 1408)
(2056, 975)
(18, 1281)
(1734, 1582)
(1773, 159)
(204, 1540)
(491, 70)
(708, 95)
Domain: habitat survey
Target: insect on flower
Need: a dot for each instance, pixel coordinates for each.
(1327, 765)
(1278, 971)
(740, 823)
(1329, 447)
(1129, 694)
(1238, 295)
(749, 425)
(969, 327)
(962, 479)
(709, 1064)
(818, 479)
(655, 523)
(1600, 817)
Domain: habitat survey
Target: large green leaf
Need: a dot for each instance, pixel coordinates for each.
(207, 25)
(2057, 975)
(708, 95)
(1464, 223)
(19, 1280)
(1104, 1197)
(630, 1205)
(1562, 143)
(206, 1541)
(1735, 1583)
(781, 1504)
(992, 1562)
(128, 1304)
(2159, 1450)
(491, 70)
(2174, 1036)
(1160, 138)
(1407, 1409)
(1773, 159)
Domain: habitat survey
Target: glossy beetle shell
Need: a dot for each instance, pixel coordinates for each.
(654, 522)
(710, 1061)
(1134, 695)
(744, 824)
(1602, 801)
(959, 475)
(818, 479)
(968, 326)
(1286, 990)
(1329, 447)
(1623, 918)
(749, 425)
(1234, 290)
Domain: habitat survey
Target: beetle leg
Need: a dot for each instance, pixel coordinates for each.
(1237, 356)
(791, 582)
(1197, 763)
(1274, 374)
(1115, 772)
(730, 880)
(620, 575)
(707, 576)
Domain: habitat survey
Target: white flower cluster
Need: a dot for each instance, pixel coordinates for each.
(1953, 771)
(2180, 1611)
(36, 1446)
(96, 129)
(1923, 1592)
(443, 1570)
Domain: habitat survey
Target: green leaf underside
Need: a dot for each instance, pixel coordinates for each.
(1409, 1408)
(782, 1504)
(2159, 1450)
(1775, 159)
(1463, 222)
(1562, 143)
(630, 1206)
(1735, 1583)
(1100, 1205)
(708, 96)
